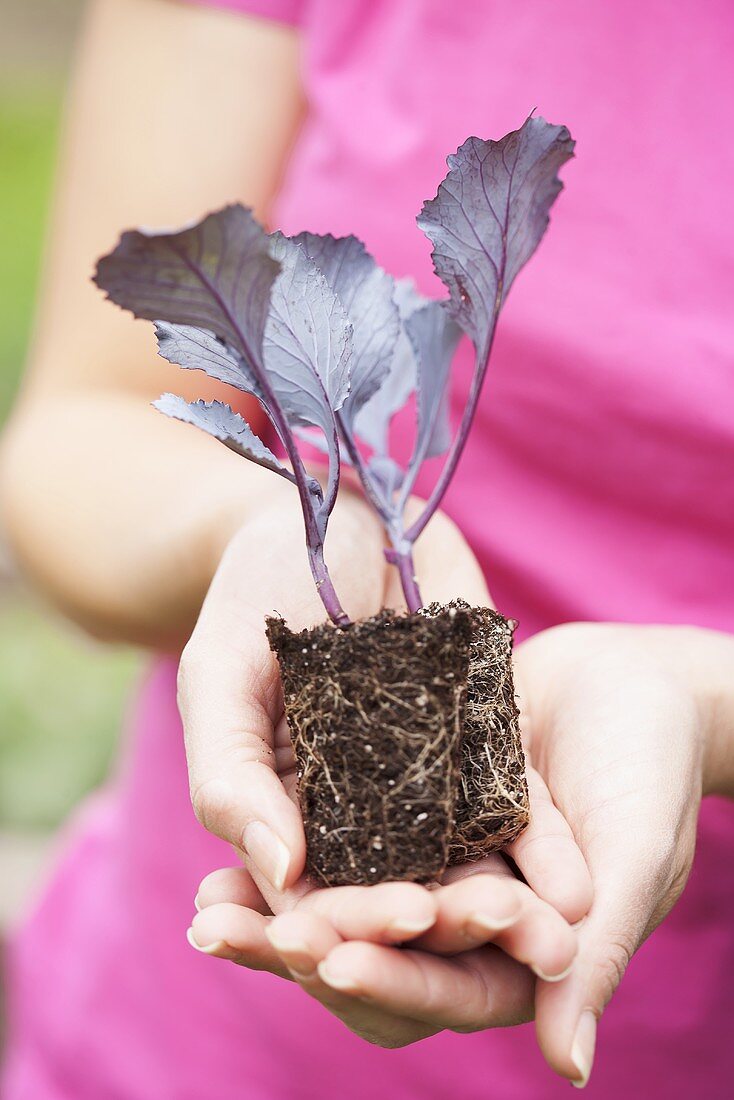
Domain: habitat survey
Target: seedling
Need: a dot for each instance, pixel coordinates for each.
(332, 347)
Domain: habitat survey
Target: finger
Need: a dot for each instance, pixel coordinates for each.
(567, 1014)
(479, 989)
(390, 912)
(502, 910)
(230, 884)
(628, 889)
(471, 911)
(237, 934)
(229, 702)
(492, 864)
(549, 857)
(303, 941)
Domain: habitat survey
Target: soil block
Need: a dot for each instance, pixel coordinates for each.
(492, 807)
(376, 714)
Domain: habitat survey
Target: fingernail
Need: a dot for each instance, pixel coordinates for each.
(197, 904)
(337, 981)
(551, 977)
(488, 923)
(295, 955)
(300, 975)
(268, 852)
(582, 1048)
(210, 949)
(411, 927)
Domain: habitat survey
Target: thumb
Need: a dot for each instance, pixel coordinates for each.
(230, 701)
(567, 1013)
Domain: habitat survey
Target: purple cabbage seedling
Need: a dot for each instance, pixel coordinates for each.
(332, 347)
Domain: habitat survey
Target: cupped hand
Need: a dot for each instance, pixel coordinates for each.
(472, 948)
(619, 735)
(240, 761)
(243, 785)
(468, 968)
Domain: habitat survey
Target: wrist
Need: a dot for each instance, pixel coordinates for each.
(704, 661)
(713, 680)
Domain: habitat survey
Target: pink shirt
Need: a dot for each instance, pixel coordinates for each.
(598, 484)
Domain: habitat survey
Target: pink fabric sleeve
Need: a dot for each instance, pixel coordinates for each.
(282, 11)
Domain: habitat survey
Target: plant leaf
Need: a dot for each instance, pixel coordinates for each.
(489, 216)
(366, 294)
(307, 335)
(224, 424)
(372, 423)
(318, 442)
(197, 349)
(385, 475)
(216, 275)
(213, 282)
(307, 347)
(434, 337)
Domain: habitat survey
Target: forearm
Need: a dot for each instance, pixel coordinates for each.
(118, 515)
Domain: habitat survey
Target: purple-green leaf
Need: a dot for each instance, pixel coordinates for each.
(489, 216)
(434, 337)
(366, 294)
(216, 275)
(372, 423)
(317, 440)
(197, 349)
(224, 424)
(307, 347)
(308, 338)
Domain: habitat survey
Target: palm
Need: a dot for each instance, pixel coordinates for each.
(241, 768)
(616, 737)
(612, 739)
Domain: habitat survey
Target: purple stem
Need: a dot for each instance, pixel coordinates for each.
(460, 439)
(332, 485)
(356, 459)
(325, 587)
(402, 557)
(400, 554)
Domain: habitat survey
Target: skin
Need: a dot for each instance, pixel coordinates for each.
(631, 726)
(128, 540)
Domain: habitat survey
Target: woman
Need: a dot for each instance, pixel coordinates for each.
(597, 487)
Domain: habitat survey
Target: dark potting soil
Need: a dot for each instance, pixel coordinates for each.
(492, 807)
(376, 714)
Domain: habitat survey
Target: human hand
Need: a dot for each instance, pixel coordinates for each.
(622, 725)
(241, 763)
(239, 754)
(468, 938)
(336, 943)
(460, 973)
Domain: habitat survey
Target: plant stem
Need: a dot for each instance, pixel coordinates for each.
(325, 587)
(460, 438)
(315, 530)
(379, 505)
(401, 556)
(332, 487)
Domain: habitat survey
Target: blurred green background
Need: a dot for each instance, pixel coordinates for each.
(61, 696)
